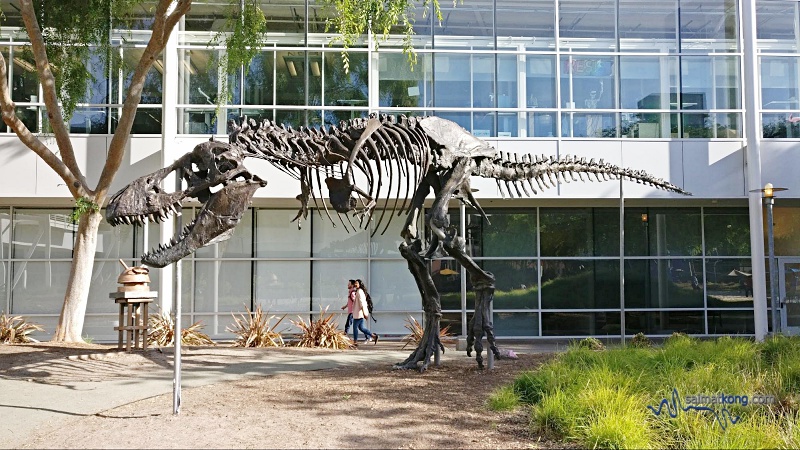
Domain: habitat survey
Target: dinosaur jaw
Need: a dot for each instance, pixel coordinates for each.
(214, 223)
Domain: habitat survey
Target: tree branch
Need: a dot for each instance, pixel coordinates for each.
(7, 110)
(48, 82)
(162, 28)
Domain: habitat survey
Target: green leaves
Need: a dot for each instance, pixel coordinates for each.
(355, 18)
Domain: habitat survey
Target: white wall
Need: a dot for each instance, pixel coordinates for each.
(708, 169)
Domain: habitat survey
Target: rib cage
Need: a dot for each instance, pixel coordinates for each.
(385, 149)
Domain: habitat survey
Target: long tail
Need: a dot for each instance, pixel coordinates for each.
(521, 172)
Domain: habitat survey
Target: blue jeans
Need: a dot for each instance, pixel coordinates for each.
(358, 324)
(347, 323)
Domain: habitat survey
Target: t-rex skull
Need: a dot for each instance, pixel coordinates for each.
(210, 165)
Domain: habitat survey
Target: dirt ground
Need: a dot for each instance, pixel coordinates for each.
(359, 406)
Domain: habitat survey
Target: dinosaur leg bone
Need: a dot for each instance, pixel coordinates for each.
(431, 306)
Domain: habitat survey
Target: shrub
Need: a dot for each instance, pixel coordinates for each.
(416, 329)
(16, 330)
(592, 344)
(322, 332)
(254, 330)
(162, 332)
(641, 341)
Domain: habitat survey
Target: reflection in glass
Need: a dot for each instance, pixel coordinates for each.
(645, 25)
(452, 82)
(541, 124)
(696, 33)
(259, 80)
(588, 125)
(393, 288)
(532, 19)
(664, 322)
(729, 283)
(580, 324)
(731, 322)
(282, 286)
(145, 120)
(727, 231)
(662, 232)
(89, 121)
(290, 78)
(329, 282)
(398, 85)
(588, 24)
(576, 284)
(37, 287)
(446, 274)
(330, 242)
(493, 239)
(276, 236)
(473, 19)
(540, 81)
(222, 286)
(343, 88)
(777, 23)
(587, 82)
(664, 283)
(786, 218)
(24, 82)
(42, 233)
(516, 286)
(648, 82)
(779, 83)
(515, 324)
(579, 231)
(152, 89)
(698, 125)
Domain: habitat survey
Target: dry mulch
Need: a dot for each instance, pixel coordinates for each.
(364, 406)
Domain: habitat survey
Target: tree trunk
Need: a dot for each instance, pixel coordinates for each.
(70, 323)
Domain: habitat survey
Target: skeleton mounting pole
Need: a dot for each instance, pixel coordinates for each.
(177, 334)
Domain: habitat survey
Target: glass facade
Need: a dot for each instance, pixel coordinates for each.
(558, 270)
(507, 68)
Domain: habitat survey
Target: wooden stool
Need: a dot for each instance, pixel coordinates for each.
(133, 316)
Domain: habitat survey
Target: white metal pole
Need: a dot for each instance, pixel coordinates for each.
(752, 131)
(176, 379)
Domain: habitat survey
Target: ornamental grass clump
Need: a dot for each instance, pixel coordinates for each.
(416, 329)
(254, 330)
(641, 341)
(323, 332)
(16, 330)
(668, 396)
(162, 332)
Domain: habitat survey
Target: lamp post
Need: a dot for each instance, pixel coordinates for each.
(769, 200)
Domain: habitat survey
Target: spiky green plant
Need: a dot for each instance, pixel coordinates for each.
(161, 332)
(322, 332)
(416, 329)
(16, 330)
(254, 330)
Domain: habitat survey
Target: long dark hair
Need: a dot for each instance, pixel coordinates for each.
(362, 286)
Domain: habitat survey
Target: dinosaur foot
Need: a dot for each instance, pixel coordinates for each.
(420, 358)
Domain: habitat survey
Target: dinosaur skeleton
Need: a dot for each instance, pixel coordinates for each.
(427, 153)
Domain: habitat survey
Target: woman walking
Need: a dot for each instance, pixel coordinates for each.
(361, 312)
